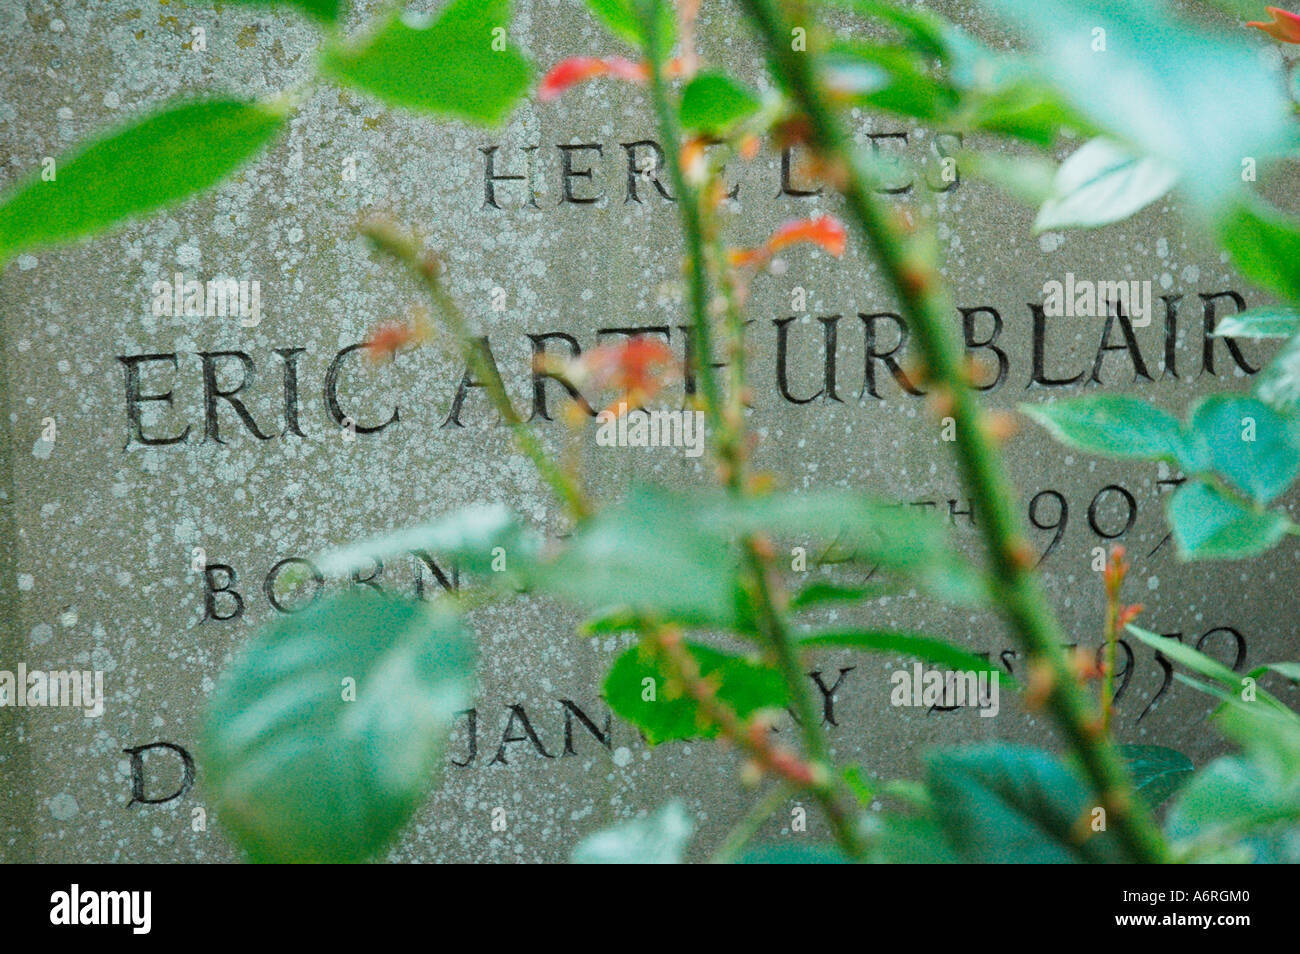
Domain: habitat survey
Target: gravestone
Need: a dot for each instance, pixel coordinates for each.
(197, 463)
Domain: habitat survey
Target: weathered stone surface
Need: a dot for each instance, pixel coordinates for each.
(100, 531)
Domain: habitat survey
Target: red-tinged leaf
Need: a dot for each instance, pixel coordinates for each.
(389, 337)
(1284, 26)
(823, 231)
(1128, 614)
(579, 69)
(636, 369)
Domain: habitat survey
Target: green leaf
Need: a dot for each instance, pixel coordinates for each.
(1168, 88)
(848, 76)
(659, 839)
(1227, 793)
(1002, 804)
(911, 793)
(1265, 728)
(323, 11)
(637, 690)
(926, 648)
(1268, 321)
(1289, 669)
(926, 32)
(856, 780)
(1264, 244)
(1240, 9)
(1208, 524)
(1278, 385)
(613, 621)
(300, 774)
(1158, 772)
(674, 554)
(1254, 446)
(1247, 804)
(978, 89)
(1023, 107)
(898, 839)
(712, 102)
(151, 163)
(654, 554)
(449, 66)
(795, 855)
(1198, 662)
(883, 77)
(475, 537)
(1193, 659)
(621, 17)
(1116, 425)
(820, 594)
(911, 544)
(1101, 183)
(1240, 798)
(1026, 178)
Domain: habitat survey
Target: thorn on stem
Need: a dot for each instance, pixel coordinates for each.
(1085, 665)
(1021, 554)
(763, 547)
(916, 371)
(917, 281)
(1000, 426)
(1039, 685)
(941, 402)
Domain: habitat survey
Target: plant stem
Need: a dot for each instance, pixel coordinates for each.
(825, 787)
(733, 412)
(664, 641)
(909, 267)
(729, 432)
(754, 739)
(688, 206)
(1108, 677)
(748, 827)
(426, 268)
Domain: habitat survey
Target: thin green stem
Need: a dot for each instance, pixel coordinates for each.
(737, 374)
(665, 641)
(729, 436)
(745, 829)
(1108, 677)
(426, 268)
(688, 206)
(825, 787)
(667, 645)
(909, 266)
